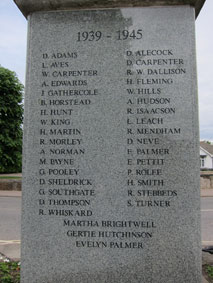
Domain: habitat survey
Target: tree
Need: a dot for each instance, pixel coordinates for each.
(11, 117)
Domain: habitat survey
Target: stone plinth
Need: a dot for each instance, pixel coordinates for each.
(31, 6)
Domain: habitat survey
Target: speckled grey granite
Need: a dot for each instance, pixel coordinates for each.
(30, 6)
(111, 148)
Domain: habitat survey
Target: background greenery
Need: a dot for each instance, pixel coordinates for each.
(11, 117)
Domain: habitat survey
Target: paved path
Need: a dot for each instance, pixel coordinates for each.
(12, 175)
(10, 193)
(206, 193)
(10, 211)
(207, 221)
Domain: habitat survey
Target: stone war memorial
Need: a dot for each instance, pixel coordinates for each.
(111, 145)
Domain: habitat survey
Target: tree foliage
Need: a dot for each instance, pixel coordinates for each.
(11, 116)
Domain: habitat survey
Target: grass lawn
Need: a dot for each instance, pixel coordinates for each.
(10, 177)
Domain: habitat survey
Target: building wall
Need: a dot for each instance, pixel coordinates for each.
(206, 180)
(207, 160)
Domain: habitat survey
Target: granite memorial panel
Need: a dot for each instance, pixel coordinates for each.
(111, 147)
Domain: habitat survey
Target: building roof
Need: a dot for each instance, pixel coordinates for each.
(207, 147)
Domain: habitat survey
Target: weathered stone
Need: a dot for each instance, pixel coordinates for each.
(10, 185)
(111, 148)
(29, 6)
(204, 182)
(207, 258)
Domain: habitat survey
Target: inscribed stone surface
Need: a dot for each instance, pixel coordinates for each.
(111, 173)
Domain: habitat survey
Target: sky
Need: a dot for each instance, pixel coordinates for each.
(13, 41)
